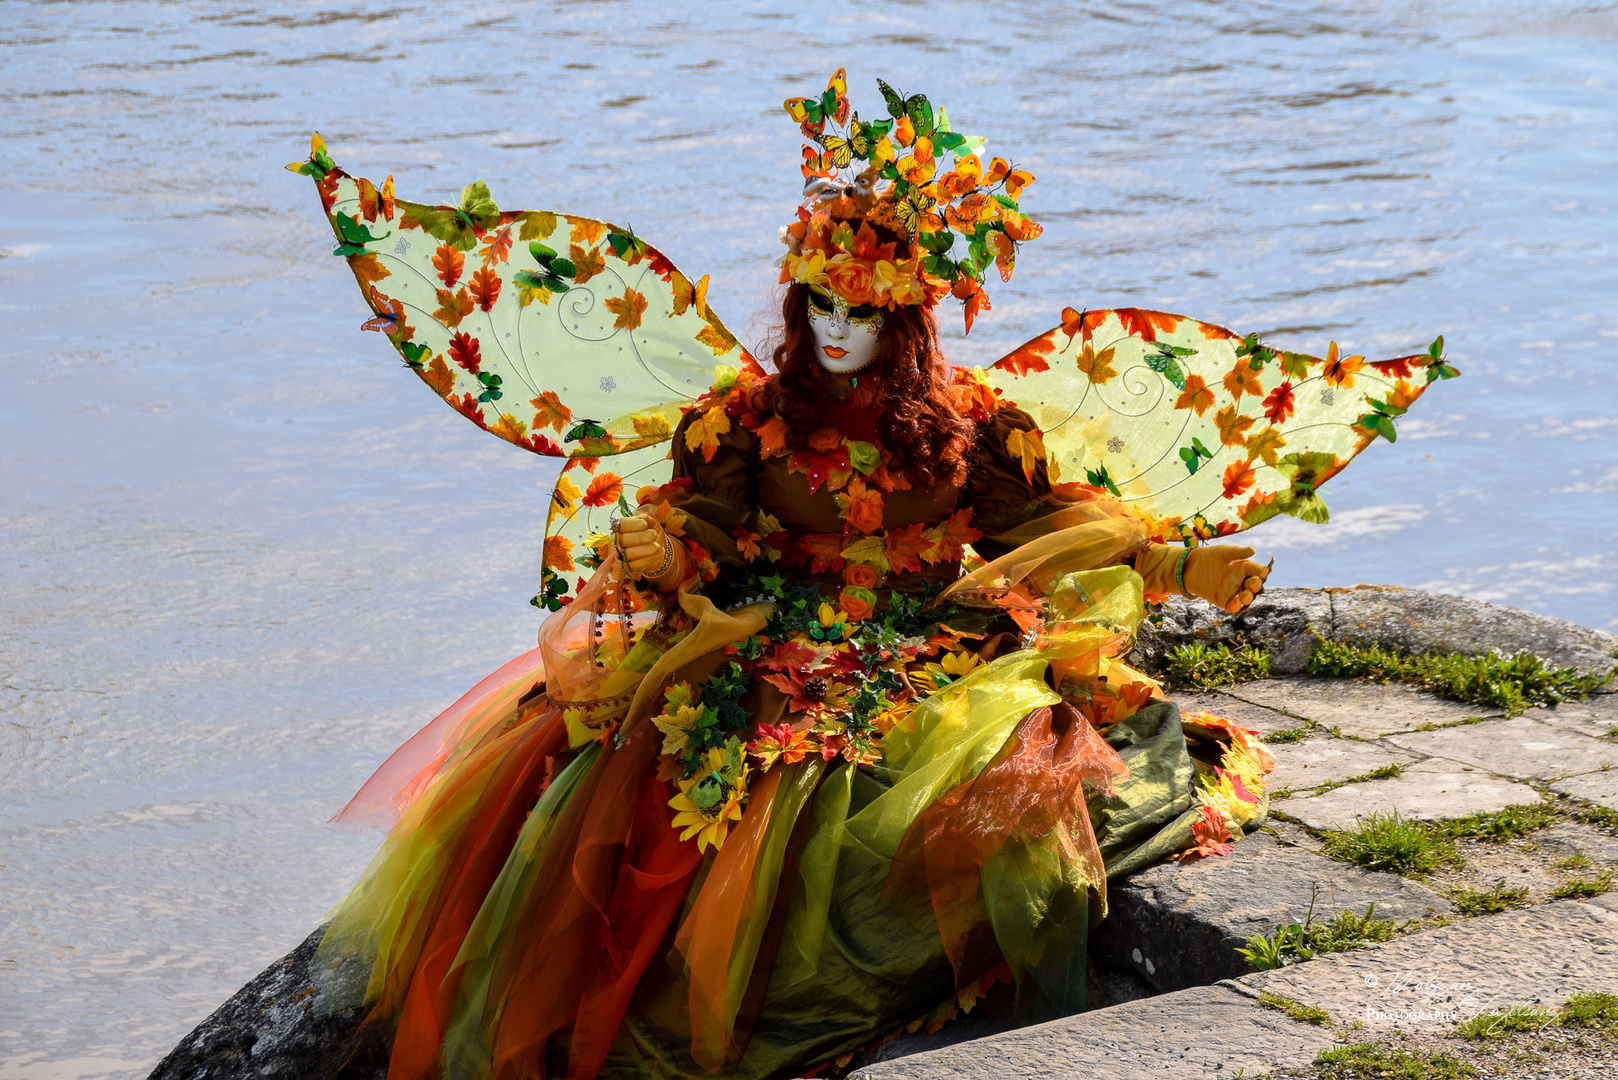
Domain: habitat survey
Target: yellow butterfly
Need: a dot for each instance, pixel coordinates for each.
(913, 209)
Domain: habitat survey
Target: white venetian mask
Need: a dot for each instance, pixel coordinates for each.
(845, 337)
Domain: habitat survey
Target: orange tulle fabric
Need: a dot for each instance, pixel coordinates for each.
(1033, 788)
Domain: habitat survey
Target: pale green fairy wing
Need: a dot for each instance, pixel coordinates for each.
(563, 335)
(1202, 430)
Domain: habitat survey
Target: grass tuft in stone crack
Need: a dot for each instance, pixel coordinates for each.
(1488, 901)
(1309, 1014)
(1588, 1010)
(1582, 889)
(1507, 823)
(1199, 666)
(1370, 1060)
(1288, 735)
(1389, 771)
(1392, 843)
(1509, 683)
(1295, 942)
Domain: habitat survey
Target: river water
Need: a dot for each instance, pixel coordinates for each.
(246, 554)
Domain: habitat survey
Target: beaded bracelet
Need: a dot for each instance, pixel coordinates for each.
(665, 565)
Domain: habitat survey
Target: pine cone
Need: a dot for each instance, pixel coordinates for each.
(816, 688)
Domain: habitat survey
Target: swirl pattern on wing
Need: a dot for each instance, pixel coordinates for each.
(1203, 431)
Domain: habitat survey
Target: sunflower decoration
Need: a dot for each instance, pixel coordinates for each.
(711, 798)
(901, 210)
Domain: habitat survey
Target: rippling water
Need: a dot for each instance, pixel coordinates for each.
(245, 555)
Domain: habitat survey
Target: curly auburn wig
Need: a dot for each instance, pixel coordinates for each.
(917, 421)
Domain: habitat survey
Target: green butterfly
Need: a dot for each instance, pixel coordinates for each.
(1166, 364)
(916, 106)
(414, 355)
(1257, 355)
(1099, 478)
(1380, 419)
(1194, 455)
(627, 246)
(354, 235)
(459, 226)
(1436, 368)
(585, 429)
(491, 386)
(552, 270)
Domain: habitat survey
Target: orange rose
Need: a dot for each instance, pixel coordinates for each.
(851, 279)
(859, 575)
(855, 605)
(825, 440)
(861, 506)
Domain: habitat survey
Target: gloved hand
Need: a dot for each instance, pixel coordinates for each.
(1223, 574)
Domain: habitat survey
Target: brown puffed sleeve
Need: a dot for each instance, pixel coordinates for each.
(722, 497)
(999, 488)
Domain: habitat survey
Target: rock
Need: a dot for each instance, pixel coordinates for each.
(1597, 718)
(1208, 1031)
(1177, 925)
(1414, 621)
(272, 1027)
(1435, 790)
(1279, 622)
(1597, 787)
(1432, 980)
(1521, 748)
(1361, 710)
(1322, 759)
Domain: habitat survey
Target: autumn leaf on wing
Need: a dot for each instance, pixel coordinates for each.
(1242, 379)
(1340, 372)
(1295, 365)
(1196, 395)
(628, 308)
(1264, 445)
(509, 428)
(438, 376)
(1403, 394)
(550, 412)
(587, 263)
(1232, 425)
(587, 232)
(604, 490)
(1279, 404)
(465, 351)
(705, 430)
(368, 269)
(497, 248)
(1030, 356)
(558, 554)
(565, 496)
(1096, 366)
(485, 286)
(536, 225)
(449, 263)
(650, 425)
(1399, 368)
(716, 339)
(453, 307)
(1147, 324)
(1029, 447)
(1238, 478)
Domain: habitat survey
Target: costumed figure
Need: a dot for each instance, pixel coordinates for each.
(836, 737)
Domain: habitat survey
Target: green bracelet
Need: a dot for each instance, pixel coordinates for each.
(1179, 572)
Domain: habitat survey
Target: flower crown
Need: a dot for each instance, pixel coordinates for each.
(861, 177)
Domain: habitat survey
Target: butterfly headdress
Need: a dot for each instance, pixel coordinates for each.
(901, 210)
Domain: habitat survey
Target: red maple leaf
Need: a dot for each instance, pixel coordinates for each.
(905, 547)
(790, 681)
(1278, 406)
(1029, 356)
(467, 405)
(1399, 368)
(953, 533)
(465, 351)
(1146, 324)
(826, 549)
(1238, 478)
(604, 490)
(818, 467)
(789, 654)
(485, 288)
(539, 444)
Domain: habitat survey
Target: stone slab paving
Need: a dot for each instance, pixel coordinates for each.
(1596, 717)
(1601, 847)
(1521, 748)
(1598, 787)
(1433, 790)
(1361, 710)
(1432, 980)
(1205, 1032)
(1177, 925)
(1323, 759)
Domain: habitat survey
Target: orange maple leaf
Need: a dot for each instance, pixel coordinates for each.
(558, 554)
(705, 430)
(1238, 478)
(1279, 404)
(438, 376)
(1029, 356)
(1404, 394)
(550, 412)
(628, 308)
(1232, 426)
(485, 286)
(453, 307)
(509, 428)
(906, 546)
(449, 263)
(1096, 366)
(585, 231)
(1146, 324)
(950, 536)
(604, 489)
(826, 550)
(1196, 395)
(772, 436)
(1028, 447)
(587, 263)
(1242, 379)
(497, 249)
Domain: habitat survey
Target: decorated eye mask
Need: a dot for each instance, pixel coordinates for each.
(845, 337)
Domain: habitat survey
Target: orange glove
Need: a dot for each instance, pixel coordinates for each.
(1223, 574)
